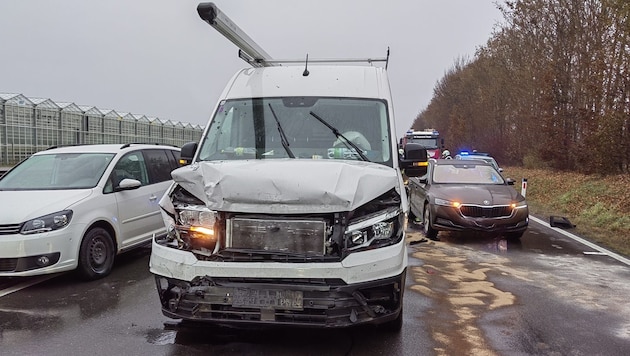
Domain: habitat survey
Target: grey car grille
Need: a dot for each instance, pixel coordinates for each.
(476, 211)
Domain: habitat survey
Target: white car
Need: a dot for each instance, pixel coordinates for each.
(77, 207)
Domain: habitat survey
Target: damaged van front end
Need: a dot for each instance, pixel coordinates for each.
(323, 247)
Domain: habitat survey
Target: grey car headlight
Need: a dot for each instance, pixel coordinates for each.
(519, 205)
(444, 202)
(47, 223)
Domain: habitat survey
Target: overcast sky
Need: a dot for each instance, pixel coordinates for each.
(158, 58)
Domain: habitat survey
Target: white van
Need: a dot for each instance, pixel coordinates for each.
(292, 210)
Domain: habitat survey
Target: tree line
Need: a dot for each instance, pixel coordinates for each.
(550, 88)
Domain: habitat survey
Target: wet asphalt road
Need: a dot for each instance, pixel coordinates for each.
(465, 294)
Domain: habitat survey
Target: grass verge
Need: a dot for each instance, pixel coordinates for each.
(598, 205)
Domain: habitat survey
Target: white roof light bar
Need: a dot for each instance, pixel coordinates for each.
(249, 51)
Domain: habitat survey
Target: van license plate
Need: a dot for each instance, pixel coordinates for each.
(267, 298)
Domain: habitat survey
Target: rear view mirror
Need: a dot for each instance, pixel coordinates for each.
(187, 153)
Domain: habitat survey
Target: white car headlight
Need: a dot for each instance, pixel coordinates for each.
(47, 223)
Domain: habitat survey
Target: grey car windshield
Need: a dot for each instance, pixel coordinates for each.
(466, 174)
(57, 171)
(292, 127)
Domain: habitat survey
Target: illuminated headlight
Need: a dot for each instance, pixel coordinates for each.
(519, 205)
(379, 228)
(200, 216)
(196, 226)
(47, 223)
(445, 202)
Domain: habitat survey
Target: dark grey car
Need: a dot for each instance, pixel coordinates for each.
(459, 195)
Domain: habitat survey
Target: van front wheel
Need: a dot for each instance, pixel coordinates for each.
(96, 256)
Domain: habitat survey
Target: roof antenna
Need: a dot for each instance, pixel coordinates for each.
(387, 60)
(306, 72)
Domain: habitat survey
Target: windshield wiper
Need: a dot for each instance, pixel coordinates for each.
(283, 137)
(338, 135)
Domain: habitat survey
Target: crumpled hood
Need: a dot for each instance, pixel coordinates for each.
(19, 206)
(284, 186)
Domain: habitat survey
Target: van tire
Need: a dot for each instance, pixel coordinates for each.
(96, 256)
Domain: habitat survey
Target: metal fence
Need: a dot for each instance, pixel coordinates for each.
(28, 125)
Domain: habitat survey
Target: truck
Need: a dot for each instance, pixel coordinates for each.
(291, 210)
(429, 138)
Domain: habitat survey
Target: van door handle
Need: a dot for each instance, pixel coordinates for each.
(152, 197)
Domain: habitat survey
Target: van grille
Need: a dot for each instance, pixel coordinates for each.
(303, 236)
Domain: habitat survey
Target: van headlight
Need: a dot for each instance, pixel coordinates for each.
(47, 223)
(195, 227)
(379, 229)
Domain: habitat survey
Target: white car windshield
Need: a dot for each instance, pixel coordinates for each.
(57, 171)
(465, 173)
(299, 127)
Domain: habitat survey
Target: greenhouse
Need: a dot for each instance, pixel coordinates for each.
(28, 125)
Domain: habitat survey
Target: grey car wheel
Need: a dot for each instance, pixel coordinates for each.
(429, 232)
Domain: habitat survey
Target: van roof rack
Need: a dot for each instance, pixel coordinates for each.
(329, 60)
(250, 51)
(256, 56)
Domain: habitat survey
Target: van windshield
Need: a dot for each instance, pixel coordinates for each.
(272, 128)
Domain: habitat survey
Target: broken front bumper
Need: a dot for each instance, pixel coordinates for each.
(297, 302)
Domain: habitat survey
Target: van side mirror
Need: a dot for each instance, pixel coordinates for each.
(187, 153)
(414, 160)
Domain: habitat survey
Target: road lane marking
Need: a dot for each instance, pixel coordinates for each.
(23, 285)
(600, 249)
